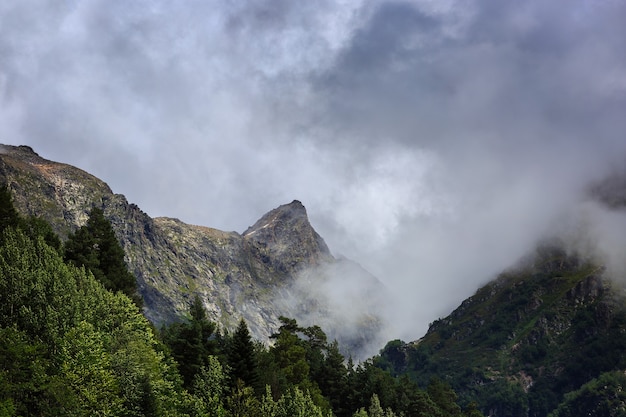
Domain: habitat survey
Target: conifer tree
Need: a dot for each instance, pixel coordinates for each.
(95, 247)
(9, 217)
(445, 398)
(242, 358)
(191, 342)
(333, 380)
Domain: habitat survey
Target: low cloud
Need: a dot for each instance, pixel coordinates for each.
(432, 142)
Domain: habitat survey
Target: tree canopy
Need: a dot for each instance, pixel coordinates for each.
(72, 342)
(95, 247)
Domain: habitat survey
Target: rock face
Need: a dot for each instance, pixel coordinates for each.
(258, 275)
(284, 242)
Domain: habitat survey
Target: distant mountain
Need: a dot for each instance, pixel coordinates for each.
(268, 271)
(516, 347)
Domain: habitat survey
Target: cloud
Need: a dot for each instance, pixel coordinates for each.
(432, 142)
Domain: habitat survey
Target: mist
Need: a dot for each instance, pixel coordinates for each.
(434, 143)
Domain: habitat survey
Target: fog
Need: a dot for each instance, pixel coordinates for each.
(431, 142)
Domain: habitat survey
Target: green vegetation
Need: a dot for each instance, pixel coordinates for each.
(524, 341)
(73, 343)
(545, 340)
(602, 396)
(95, 247)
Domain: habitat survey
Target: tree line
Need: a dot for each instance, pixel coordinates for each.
(74, 342)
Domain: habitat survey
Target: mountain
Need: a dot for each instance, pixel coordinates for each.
(547, 337)
(522, 342)
(261, 274)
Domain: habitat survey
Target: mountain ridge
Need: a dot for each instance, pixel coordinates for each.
(245, 275)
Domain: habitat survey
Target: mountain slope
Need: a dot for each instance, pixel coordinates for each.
(253, 275)
(537, 332)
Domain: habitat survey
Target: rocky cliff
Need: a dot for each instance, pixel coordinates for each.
(259, 275)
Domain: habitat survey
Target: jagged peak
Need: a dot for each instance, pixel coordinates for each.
(286, 213)
(285, 235)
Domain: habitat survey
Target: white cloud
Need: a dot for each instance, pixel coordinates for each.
(432, 142)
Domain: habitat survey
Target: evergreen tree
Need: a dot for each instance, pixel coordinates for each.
(294, 357)
(36, 227)
(9, 217)
(242, 358)
(602, 396)
(445, 398)
(376, 410)
(95, 247)
(191, 342)
(333, 380)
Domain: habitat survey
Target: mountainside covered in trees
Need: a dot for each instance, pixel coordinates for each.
(73, 343)
(528, 341)
(276, 267)
(547, 338)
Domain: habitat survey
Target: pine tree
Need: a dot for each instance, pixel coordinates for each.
(445, 398)
(333, 380)
(96, 247)
(242, 358)
(191, 342)
(8, 215)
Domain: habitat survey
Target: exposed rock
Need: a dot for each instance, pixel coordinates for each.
(259, 275)
(284, 241)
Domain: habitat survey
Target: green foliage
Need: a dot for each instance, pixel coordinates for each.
(191, 342)
(444, 397)
(242, 358)
(23, 373)
(9, 217)
(294, 403)
(95, 247)
(35, 227)
(70, 347)
(242, 402)
(208, 387)
(376, 410)
(86, 373)
(38, 292)
(332, 380)
(604, 396)
(523, 341)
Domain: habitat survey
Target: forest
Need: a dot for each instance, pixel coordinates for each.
(74, 342)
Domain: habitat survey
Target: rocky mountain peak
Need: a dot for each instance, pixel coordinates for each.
(59, 193)
(278, 219)
(254, 276)
(284, 240)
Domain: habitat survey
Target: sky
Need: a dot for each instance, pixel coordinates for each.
(433, 142)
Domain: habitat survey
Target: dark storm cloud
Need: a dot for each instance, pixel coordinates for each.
(520, 71)
(434, 142)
